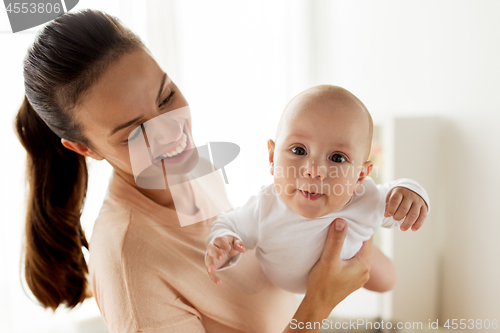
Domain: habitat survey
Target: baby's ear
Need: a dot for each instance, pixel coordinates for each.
(270, 150)
(366, 168)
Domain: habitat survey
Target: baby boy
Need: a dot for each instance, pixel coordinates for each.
(320, 167)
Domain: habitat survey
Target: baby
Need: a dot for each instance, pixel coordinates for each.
(320, 168)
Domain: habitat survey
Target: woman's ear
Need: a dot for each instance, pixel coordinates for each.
(270, 149)
(366, 168)
(81, 149)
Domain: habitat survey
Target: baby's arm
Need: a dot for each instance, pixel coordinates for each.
(403, 198)
(231, 234)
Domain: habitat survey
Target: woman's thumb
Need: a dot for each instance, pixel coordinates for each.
(335, 240)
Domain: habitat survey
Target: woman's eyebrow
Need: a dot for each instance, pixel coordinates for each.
(136, 120)
(127, 124)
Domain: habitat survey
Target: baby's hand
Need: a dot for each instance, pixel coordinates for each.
(219, 253)
(404, 202)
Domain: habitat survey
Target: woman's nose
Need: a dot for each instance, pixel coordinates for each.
(162, 131)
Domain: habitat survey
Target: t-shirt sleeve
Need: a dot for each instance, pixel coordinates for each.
(242, 223)
(410, 184)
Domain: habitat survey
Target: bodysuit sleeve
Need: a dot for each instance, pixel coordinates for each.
(242, 223)
(410, 184)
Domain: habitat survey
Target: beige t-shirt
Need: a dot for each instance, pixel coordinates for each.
(148, 274)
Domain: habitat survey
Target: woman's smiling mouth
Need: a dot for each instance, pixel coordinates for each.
(175, 150)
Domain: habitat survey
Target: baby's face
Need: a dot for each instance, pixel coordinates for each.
(319, 159)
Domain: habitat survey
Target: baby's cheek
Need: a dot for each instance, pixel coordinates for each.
(340, 192)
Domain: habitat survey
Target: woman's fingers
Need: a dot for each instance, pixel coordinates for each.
(346, 276)
(334, 240)
(365, 252)
(362, 261)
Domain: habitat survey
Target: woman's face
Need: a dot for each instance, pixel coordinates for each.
(132, 91)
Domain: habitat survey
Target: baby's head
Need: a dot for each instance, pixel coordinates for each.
(322, 145)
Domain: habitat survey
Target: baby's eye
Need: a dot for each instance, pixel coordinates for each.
(299, 151)
(337, 158)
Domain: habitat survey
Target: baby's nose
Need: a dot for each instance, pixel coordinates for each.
(315, 172)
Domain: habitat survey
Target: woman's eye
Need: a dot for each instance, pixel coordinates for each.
(299, 151)
(337, 158)
(134, 134)
(168, 98)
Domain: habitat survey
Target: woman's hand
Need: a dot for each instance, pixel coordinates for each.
(331, 279)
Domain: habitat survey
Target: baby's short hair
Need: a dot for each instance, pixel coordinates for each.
(334, 92)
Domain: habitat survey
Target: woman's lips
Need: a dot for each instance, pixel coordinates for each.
(311, 196)
(179, 157)
(187, 151)
(172, 147)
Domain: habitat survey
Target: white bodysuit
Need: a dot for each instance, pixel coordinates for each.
(288, 245)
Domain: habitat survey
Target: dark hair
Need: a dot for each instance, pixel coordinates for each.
(66, 58)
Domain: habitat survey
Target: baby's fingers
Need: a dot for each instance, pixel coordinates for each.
(215, 252)
(411, 217)
(393, 203)
(238, 245)
(222, 243)
(211, 270)
(421, 218)
(403, 209)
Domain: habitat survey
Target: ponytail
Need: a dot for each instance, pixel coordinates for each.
(67, 58)
(54, 265)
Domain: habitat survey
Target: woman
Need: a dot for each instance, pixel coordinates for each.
(86, 78)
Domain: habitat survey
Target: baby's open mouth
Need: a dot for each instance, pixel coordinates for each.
(311, 195)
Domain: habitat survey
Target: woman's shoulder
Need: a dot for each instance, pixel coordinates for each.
(110, 227)
(124, 266)
(120, 232)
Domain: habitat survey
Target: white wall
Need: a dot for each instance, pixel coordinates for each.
(440, 58)
(240, 64)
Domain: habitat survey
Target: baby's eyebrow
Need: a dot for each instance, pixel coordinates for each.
(299, 136)
(346, 145)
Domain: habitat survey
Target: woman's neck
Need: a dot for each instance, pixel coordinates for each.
(164, 197)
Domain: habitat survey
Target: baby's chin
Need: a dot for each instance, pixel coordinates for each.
(316, 212)
(313, 213)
